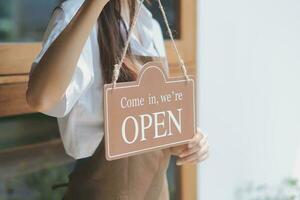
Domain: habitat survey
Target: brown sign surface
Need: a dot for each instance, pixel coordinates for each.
(154, 112)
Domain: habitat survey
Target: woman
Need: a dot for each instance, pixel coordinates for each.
(83, 41)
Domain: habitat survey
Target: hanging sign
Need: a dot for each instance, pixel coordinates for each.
(151, 113)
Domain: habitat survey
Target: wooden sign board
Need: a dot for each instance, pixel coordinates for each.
(154, 112)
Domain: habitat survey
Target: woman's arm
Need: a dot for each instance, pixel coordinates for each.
(53, 73)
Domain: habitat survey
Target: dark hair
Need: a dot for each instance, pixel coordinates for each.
(111, 42)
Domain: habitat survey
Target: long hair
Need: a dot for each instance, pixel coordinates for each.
(111, 42)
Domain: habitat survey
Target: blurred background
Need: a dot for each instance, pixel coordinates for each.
(249, 99)
(245, 54)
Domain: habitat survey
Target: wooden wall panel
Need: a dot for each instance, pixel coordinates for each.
(13, 100)
(16, 58)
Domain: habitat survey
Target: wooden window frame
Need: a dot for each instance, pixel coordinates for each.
(187, 47)
(188, 40)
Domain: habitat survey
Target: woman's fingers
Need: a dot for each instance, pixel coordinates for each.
(194, 152)
(193, 158)
(189, 152)
(195, 140)
(178, 149)
(204, 157)
(203, 146)
(197, 150)
(203, 140)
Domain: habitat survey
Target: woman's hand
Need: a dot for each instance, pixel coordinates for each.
(194, 152)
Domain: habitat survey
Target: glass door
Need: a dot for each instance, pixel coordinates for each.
(23, 133)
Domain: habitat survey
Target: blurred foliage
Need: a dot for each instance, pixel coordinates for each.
(288, 189)
(5, 7)
(5, 14)
(36, 186)
(27, 129)
(26, 20)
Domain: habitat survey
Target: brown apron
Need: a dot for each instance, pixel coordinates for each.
(141, 177)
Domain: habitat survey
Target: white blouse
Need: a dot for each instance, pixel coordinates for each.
(80, 112)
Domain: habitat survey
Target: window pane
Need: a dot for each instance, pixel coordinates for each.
(172, 8)
(24, 20)
(173, 179)
(17, 131)
(37, 185)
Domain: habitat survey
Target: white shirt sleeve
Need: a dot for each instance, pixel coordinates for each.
(83, 74)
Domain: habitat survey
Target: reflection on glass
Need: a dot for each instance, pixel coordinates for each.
(27, 129)
(26, 20)
(173, 180)
(37, 185)
(172, 8)
(35, 128)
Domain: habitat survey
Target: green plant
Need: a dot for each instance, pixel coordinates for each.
(288, 189)
(37, 185)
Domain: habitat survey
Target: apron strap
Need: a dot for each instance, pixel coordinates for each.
(118, 66)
